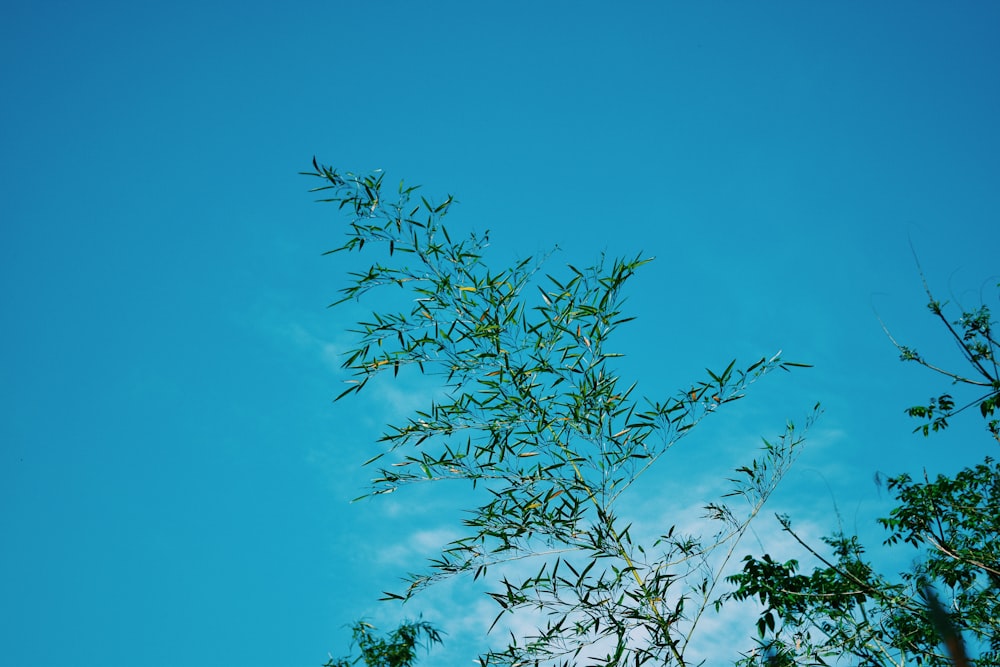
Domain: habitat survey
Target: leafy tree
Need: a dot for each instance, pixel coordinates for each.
(974, 334)
(532, 415)
(845, 610)
(398, 649)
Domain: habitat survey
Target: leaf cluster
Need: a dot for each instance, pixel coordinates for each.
(973, 332)
(846, 610)
(534, 417)
(397, 649)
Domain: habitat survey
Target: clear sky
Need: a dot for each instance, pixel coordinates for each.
(174, 479)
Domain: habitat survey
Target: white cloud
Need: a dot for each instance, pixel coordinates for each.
(416, 547)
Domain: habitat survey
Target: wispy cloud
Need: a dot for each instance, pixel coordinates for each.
(416, 547)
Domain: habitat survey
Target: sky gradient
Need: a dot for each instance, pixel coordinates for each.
(174, 479)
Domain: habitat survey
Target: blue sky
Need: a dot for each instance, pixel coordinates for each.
(174, 480)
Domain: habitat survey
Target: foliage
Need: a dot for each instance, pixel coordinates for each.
(398, 649)
(533, 417)
(845, 610)
(973, 332)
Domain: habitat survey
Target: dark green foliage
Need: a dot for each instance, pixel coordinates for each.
(398, 649)
(845, 611)
(532, 415)
(973, 332)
